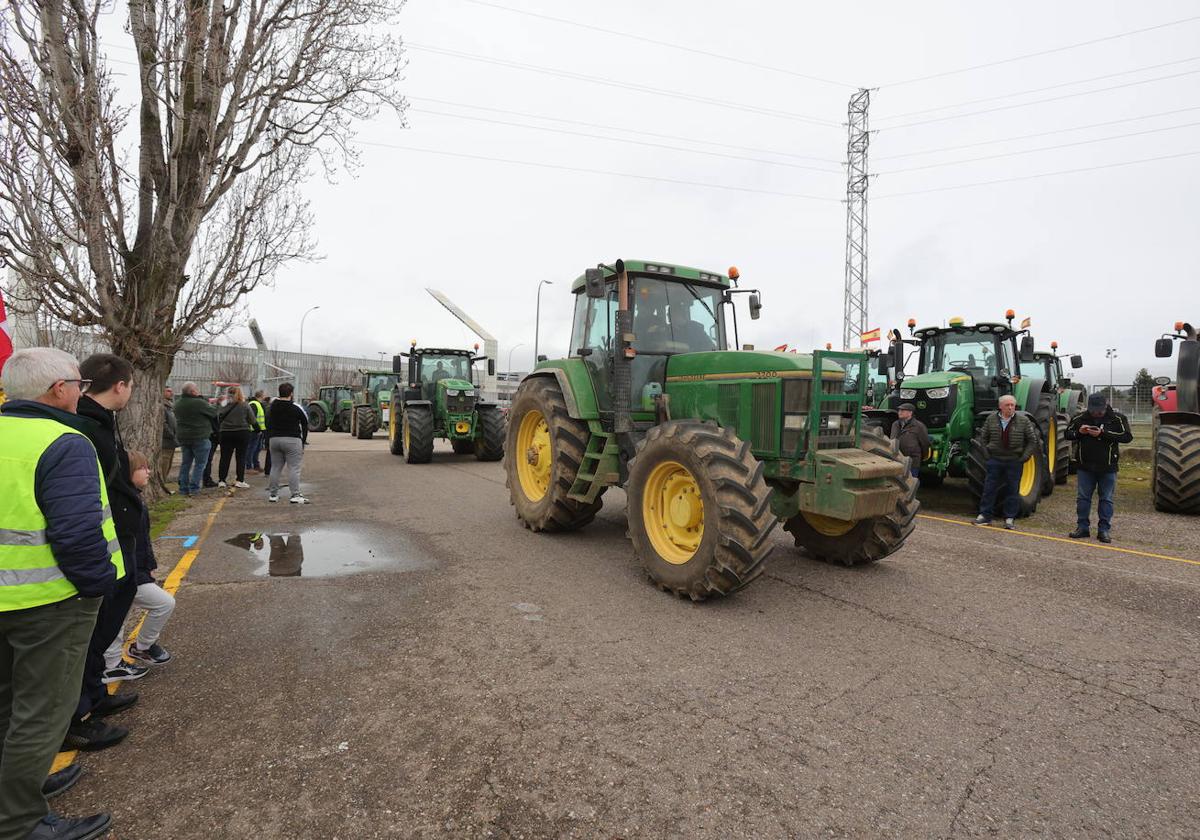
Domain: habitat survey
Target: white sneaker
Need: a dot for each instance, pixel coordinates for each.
(222, 484)
(1008, 523)
(274, 497)
(299, 500)
(242, 485)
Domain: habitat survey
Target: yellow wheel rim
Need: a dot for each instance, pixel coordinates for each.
(406, 435)
(534, 457)
(1028, 474)
(673, 511)
(392, 427)
(1053, 449)
(828, 526)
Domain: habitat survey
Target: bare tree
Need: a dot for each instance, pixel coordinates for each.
(237, 370)
(330, 372)
(148, 222)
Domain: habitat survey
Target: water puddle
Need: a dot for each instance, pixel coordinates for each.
(324, 552)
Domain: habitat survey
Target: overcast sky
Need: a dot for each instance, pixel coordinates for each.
(1102, 258)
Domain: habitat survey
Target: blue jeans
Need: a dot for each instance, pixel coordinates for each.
(1006, 475)
(252, 450)
(193, 460)
(1087, 482)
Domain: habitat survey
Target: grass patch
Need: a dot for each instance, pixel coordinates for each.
(163, 512)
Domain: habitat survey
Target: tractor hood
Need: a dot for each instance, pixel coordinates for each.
(934, 379)
(745, 364)
(455, 385)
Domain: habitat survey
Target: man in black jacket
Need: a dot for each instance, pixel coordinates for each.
(1098, 432)
(111, 387)
(911, 436)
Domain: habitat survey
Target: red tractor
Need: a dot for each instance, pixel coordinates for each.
(1175, 475)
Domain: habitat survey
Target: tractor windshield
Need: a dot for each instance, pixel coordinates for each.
(377, 382)
(1040, 368)
(675, 317)
(438, 366)
(972, 352)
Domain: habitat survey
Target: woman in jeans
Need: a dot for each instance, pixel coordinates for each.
(235, 423)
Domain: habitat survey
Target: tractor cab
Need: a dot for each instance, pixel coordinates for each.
(427, 367)
(338, 396)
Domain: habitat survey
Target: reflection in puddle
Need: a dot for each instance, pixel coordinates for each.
(322, 553)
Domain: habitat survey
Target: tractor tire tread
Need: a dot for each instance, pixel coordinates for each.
(489, 446)
(1175, 474)
(420, 435)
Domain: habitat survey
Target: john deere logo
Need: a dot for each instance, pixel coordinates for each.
(921, 404)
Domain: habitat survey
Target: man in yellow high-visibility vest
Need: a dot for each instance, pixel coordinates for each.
(59, 556)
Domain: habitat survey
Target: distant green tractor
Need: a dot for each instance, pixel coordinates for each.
(1072, 399)
(962, 372)
(713, 446)
(331, 409)
(441, 400)
(372, 402)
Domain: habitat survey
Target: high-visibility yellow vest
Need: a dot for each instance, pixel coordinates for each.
(260, 416)
(29, 574)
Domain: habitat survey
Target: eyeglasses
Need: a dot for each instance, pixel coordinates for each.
(84, 384)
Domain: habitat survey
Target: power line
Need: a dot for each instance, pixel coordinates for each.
(1041, 101)
(606, 172)
(600, 80)
(621, 128)
(1038, 134)
(625, 140)
(1041, 175)
(682, 48)
(1050, 51)
(1040, 149)
(1042, 89)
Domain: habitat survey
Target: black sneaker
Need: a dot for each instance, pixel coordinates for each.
(156, 654)
(110, 704)
(982, 520)
(91, 735)
(1103, 536)
(62, 781)
(54, 827)
(124, 671)
(1079, 534)
(208, 482)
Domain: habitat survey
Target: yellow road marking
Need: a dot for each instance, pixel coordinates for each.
(171, 584)
(1077, 543)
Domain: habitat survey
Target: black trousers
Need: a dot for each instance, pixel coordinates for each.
(233, 445)
(212, 453)
(110, 619)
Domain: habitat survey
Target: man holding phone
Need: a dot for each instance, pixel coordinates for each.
(1098, 433)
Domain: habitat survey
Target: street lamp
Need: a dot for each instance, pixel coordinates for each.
(306, 314)
(1110, 353)
(510, 351)
(537, 322)
(382, 353)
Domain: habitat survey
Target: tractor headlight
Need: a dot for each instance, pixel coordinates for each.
(908, 393)
(452, 392)
(937, 393)
(468, 393)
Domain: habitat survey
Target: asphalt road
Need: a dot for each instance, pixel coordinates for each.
(435, 670)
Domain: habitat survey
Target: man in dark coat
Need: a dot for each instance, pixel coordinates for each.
(1099, 432)
(1010, 438)
(912, 436)
(111, 387)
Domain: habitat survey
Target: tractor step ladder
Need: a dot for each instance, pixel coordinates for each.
(599, 462)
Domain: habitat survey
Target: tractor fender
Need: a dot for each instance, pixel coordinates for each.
(564, 385)
(1036, 387)
(883, 416)
(1177, 418)
(417, 402)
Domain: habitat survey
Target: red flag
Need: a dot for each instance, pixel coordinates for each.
(869, 336)
(6, 345)
(782, 348)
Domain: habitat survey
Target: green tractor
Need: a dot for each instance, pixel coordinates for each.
(441, 400)
(331, 409)
(372, 403)
(1072, 399)
(713, 446)
(962, 372)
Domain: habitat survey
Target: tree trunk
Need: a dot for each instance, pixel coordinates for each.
(141, 421)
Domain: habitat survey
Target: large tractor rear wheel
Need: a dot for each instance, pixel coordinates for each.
(699, 510)
(417, 434)
(545, 447)
(395, 432)
(1033, 472)
(318, 421)
(1046, 417)
(366, 421)
(868, 540)
(1058, 460)
(341, 420)
(489, 444)
(1175, 473)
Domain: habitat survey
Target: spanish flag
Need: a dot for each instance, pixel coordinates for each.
(782, 348)
(1025, 324)
(869, 336)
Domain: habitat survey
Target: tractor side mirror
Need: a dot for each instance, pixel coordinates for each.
(755, 307)
(593, 280)
(884, 361)
(1027, 348)
(1163, 348)
(491, 367)
(1077, 361)
(898, 359)
(542, 357)
(397, 364)
(1162, 381)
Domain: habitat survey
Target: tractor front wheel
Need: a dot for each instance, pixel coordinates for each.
(366, 421)
(545, 447)
(858, 543)
(1029, 488)
(395, 432)
(1059, 458)
(1175, 472)
(699, 510)
(341, 421)
(417, 434)
(489, 444)
(317, 420)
